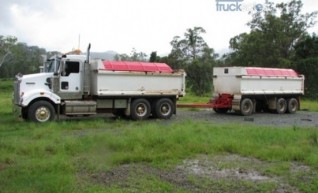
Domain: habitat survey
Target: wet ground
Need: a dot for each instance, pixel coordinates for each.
(300, 118)
(221, 173)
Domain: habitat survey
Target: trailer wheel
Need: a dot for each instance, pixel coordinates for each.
(41, 111)
(247, 106)
(292, 105)
(163, 108)
(281, 106)
(140, 109)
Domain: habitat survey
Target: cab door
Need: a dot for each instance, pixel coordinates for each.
(70, 80)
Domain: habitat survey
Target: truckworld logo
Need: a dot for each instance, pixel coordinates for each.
(238, 5)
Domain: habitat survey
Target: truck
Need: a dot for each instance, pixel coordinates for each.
(75, 85)
(246, 90)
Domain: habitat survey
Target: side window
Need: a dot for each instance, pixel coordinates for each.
(71, 67)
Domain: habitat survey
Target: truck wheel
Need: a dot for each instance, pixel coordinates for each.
(164, 108)
(281, 106)
(140, 109)
(247, 106)
(41, 111)
(292, 105)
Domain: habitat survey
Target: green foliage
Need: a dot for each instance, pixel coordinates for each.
(308, 67)
(6, 43)
(17, 57)
(192, 46)
(306, 58)
(154, 57)
(199, 74)
(273, 34)
(194, 55)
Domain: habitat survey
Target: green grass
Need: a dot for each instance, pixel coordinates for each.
(191, 98)
(62, 156)
(310, 105)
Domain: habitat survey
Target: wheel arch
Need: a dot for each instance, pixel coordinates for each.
(43, 99)
(36, 94)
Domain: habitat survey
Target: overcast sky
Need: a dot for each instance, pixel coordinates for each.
(120, 25)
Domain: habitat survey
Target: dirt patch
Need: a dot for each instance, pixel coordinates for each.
(119, 176)
(222, 173)
(237, 168)
(207, 168)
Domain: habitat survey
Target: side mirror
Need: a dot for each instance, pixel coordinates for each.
(49, 82)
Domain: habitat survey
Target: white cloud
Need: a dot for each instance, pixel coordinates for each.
(120, 25)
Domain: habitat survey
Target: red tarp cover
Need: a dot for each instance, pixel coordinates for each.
(271, 72)
(136, 66)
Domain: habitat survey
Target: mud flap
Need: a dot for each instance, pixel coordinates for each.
(236, 103)
(127, 110)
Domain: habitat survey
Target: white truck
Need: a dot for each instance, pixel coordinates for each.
(249, 89)
(74, 85)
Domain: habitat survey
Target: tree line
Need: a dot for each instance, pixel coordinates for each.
(18, 57)
(278, 38)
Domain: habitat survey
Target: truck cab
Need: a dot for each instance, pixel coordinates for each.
(61, 79)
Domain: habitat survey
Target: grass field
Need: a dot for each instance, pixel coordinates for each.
(71, 156)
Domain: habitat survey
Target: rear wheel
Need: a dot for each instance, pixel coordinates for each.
(164, 108)
(292, 105)
(41, 111)
(281, 106)
(140, 109)
(247, 106)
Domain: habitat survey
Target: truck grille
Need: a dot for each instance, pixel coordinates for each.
(16, 92)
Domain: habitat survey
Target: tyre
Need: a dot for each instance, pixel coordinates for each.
(164, 108)
(247, 106)
(221, 110)
(41, 111)
(281, 106)
(292, 105)
(140, 109)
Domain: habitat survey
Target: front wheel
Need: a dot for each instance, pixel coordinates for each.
(41, 111)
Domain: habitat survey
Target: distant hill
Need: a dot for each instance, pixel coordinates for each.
(108, 55)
